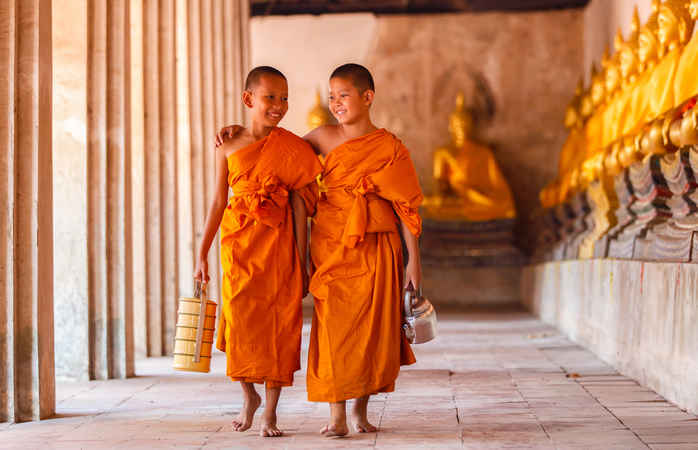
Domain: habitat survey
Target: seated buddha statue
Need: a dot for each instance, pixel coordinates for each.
(469, 185)
(319, 115)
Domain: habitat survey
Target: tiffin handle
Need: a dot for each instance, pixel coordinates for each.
(200, 293)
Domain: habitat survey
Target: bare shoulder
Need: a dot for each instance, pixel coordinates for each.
(324, 138)
(240, 140)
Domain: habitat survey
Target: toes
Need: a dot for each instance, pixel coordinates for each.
(324, 429)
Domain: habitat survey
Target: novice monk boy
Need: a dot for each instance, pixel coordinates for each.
(263, 242)
(369, 194)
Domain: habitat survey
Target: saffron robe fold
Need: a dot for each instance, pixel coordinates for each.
(262, 287)
(356, 342)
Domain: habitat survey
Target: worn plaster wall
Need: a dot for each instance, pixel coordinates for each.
(638, 316)
(529, 63)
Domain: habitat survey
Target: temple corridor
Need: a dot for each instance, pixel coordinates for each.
(490, 380)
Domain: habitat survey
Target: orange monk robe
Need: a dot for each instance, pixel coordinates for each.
(262, 288)
(356, 343)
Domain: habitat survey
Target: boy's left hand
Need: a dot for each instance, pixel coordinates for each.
(413, 274)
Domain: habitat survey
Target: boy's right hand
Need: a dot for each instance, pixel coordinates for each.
(201, 271)
(226, 133)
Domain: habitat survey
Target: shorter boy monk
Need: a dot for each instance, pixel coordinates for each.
(263, 242)
(369, 195)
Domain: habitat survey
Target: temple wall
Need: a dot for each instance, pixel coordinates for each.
(640, 317)
(530, 63)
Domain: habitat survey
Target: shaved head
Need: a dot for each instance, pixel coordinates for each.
(255, 74)
(359, 75)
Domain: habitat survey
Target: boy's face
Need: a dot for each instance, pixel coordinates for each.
(268, 100)
(346, 103)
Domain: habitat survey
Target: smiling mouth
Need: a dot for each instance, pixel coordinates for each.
(275, 115)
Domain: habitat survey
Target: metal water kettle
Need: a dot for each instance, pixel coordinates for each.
(420, 317)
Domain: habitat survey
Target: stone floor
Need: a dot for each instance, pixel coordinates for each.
(491, 380)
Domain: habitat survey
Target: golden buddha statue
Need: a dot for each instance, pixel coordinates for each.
(469, 184)
(319, 115)
(627, 55)
(647, 41)
(674, 25)
(686, 81)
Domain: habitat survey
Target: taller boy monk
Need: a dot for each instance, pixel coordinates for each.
(369, 194)
(263, 269)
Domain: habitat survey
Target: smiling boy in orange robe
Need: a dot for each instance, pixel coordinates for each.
(263, 269)
(369, 194)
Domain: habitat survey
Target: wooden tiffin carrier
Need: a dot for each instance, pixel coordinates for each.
(194, 335)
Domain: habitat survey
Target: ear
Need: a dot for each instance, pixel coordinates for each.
(247, 99)
(368, 96)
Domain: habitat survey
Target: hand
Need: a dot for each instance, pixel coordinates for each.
(413, 275)
(201, 271)
(226, 133)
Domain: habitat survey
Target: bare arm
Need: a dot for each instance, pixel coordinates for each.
(214, 216)
(300, 227)
(413, 271)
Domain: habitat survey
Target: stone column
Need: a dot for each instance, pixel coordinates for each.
(109, 195)
(185, 210)
(168, 169)
(153, 179)
(7, 194)
(71, 304)
(138, 185)
(27, 381)
(209, 127)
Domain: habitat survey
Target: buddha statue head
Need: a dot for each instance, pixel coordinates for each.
(573, 116)
(647, 41)
(674, 25)
(460, 122)
(598, 84)
(628, 62)
(318, 115)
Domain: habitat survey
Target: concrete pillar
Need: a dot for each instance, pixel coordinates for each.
(168, 169)
(138, 186)
(7, 152)
(71, 305)
(198, 177)
(27, 380)
(209, 127)
(153, 179)
(185, 210)
(109, 195)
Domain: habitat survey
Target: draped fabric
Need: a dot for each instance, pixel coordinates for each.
(686, 82)
(357, 344)
(261, 320)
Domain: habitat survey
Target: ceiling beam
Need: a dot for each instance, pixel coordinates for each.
(288, 7)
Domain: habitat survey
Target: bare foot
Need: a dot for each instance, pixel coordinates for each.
(269, 428)
(335, 430)
(362, 425)
(244, 420)
(359, 416)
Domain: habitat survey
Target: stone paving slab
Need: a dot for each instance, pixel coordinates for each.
(490, 381)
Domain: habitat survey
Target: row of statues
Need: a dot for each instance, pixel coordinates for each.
(638, 103)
